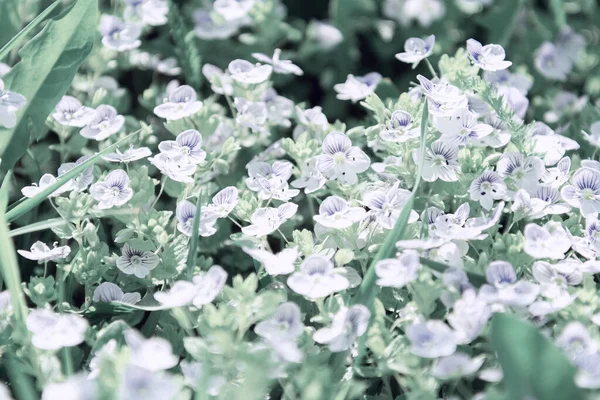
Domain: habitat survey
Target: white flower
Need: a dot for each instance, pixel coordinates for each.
(186, 212)
(279, 66)
(81, 181)
(348, 325)
(4, 69)
(400, 128)
(311, 179)
(553, 146)
(251, 114)
(10, 103)
(246, 73)
(139, 383)
(45, 181)
(185, 149)
(551, 201)
(456, 366)
(279, 108)
(182, 103)
(528, 206)
(312, 117)
(462, 128)
(549, 241)
(285, 324)
(181, 294)
(267, 220)
(554, 280)
(386, 205)
(51, 331)
(594, 137)
(233, 9)
(325, 34)
(357, 87)
(113, 191)
(416, 49)
(317, 278)
(592, 233)
(224, 202)
(137, 262)
(341, 160)
(504, 288)
(336, 213)
(129, 155)
(489, 57)
(108, 292)
(524, 171)
(276, 174)
(39, 251)
(211, 27)
(208, 285)
(398, 272)
(576, 341)
(431, 339)
(444, 99)
(551, 63)
(281, 263)
(441, 162)
(119, 36)
(220, 81)
(488, 187)
(149, 12)
(105, 123)
(425, 12)
(75, 387)
(584, 193)
(499, 137)
(174, 170)
(152, 354)
(555, 177)
(70, 112)
(469, 316)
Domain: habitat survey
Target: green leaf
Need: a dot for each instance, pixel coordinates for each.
(48, 65)
(191, 258)
(9, 20)
(533, 366)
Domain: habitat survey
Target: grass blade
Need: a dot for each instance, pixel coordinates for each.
(38, 226)
(4, 191)
(191, 258)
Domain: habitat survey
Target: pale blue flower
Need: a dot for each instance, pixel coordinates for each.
(456, 366)
(486, 188)
(186, 212)
(431, 339)
(81, 181)
(108, 292)
(400, 128)
(489, 57)
(129, 155)
(441, 162)
(584, 192)
(317, 278)
(70, 112)
(185, 149)
(140, 384)
(525, 172)
(266, 220)
(504, 288)
(114, 191)
(41, 252)
(118, 35)
(137, 262)
(386, 205)
(336, 213)
(246, 73)
(251, 114)
(152, 354)
(398, 272)
(182, 103)
(207, 27)
(357, 87)
(416, 49)
(285, 324)
(469, 316)
(552, 63)
(52, 331)
(341, 160)
(348, 325)
(279, 66)
(105, 123)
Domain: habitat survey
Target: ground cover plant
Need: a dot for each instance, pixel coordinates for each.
(293, 199)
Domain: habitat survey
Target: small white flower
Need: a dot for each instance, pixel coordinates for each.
(186, 212)
(593, 137)
(348, 325)
(148, 12)
(488, 187)
(137, 262)
(45, 181)
(456, 366)
(220, 81)
(431, 339)
(267, 220)
(285, 324)
(311, 179)
(105, 123)
(584, 193)
(74, 387)
(549, 241)
(416, 49)
(400, 128)
(108, 292)
(119, 36)
(233, 9)
(489, 57)
(81, 181)
(51, 331)
(10, 103)
(224, 201)
(70, 112)
(312, 117)
(113, 191)
(551, 63)
(469, 316)
(325, 34)
(129, 155)
(441, 162)
(445, 100)
(174, 170)
(528, 206)
(185, 149)
(551, 201)
(398, 272)
(317, 278)
(182, 103)
(208, 285)
(251, 114)
(576, 341)
(553, 146)
(336, 213)
(39, 251)
(208, 26)
(357, 87)
(279, 108)
(246, 73)
(499, 137)
(386, 205)
(555, 177)
(524, 171)
(462, 128)
(504, 288)
(152, 354)
(276, 174)
(279, 66)
(281, 263)
(341, 160)
(138, 383)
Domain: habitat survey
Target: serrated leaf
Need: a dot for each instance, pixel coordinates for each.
(48, 64)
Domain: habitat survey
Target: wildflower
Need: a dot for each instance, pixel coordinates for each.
(149, 12)
(208, 285)
(276, 174)
(489, 57)
(469, 316)
(279, 108)
(152, 354)
(174, 170)
(209, 27)
(456, 366)
(584, 192)
(348, 325)
(119, 36)
(186, 212)
(341, 160)
(553, 146)
(73, 387)
(551, 63)
(185, 149)
(182, 103)
(284, 324)
(81, 181)
(268, 219)
(576, 341)
(70, 112)
(528, 206)
(462, 128)
(108, 292)
(445, 100)
(312, 117)
(431, 339)
(398, 272)
(503, 286)
(416, 49)
(570, 43)
(52, 331)
(40, 251)
(588, 374)
(113, 191)
(137, 262)
(311, 179)
(317, 278)
(136, 382)
(488, 187)
(233, 9)
(400, 128)
(45, 181)
(593, 137)
(129, 155)
(279, 66)
(551, 201)
(557, 176)
(10, 103)
(504, 77)
(105, 123)
(336, 213)
(549, 241)
(565, 104)
(357, 87)
(224, 201)
(246, 73)
(524, 171)
(251, 114)
(220, 81)
(386, 205)
(554, 280)
(281, 263)
(441, 162)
